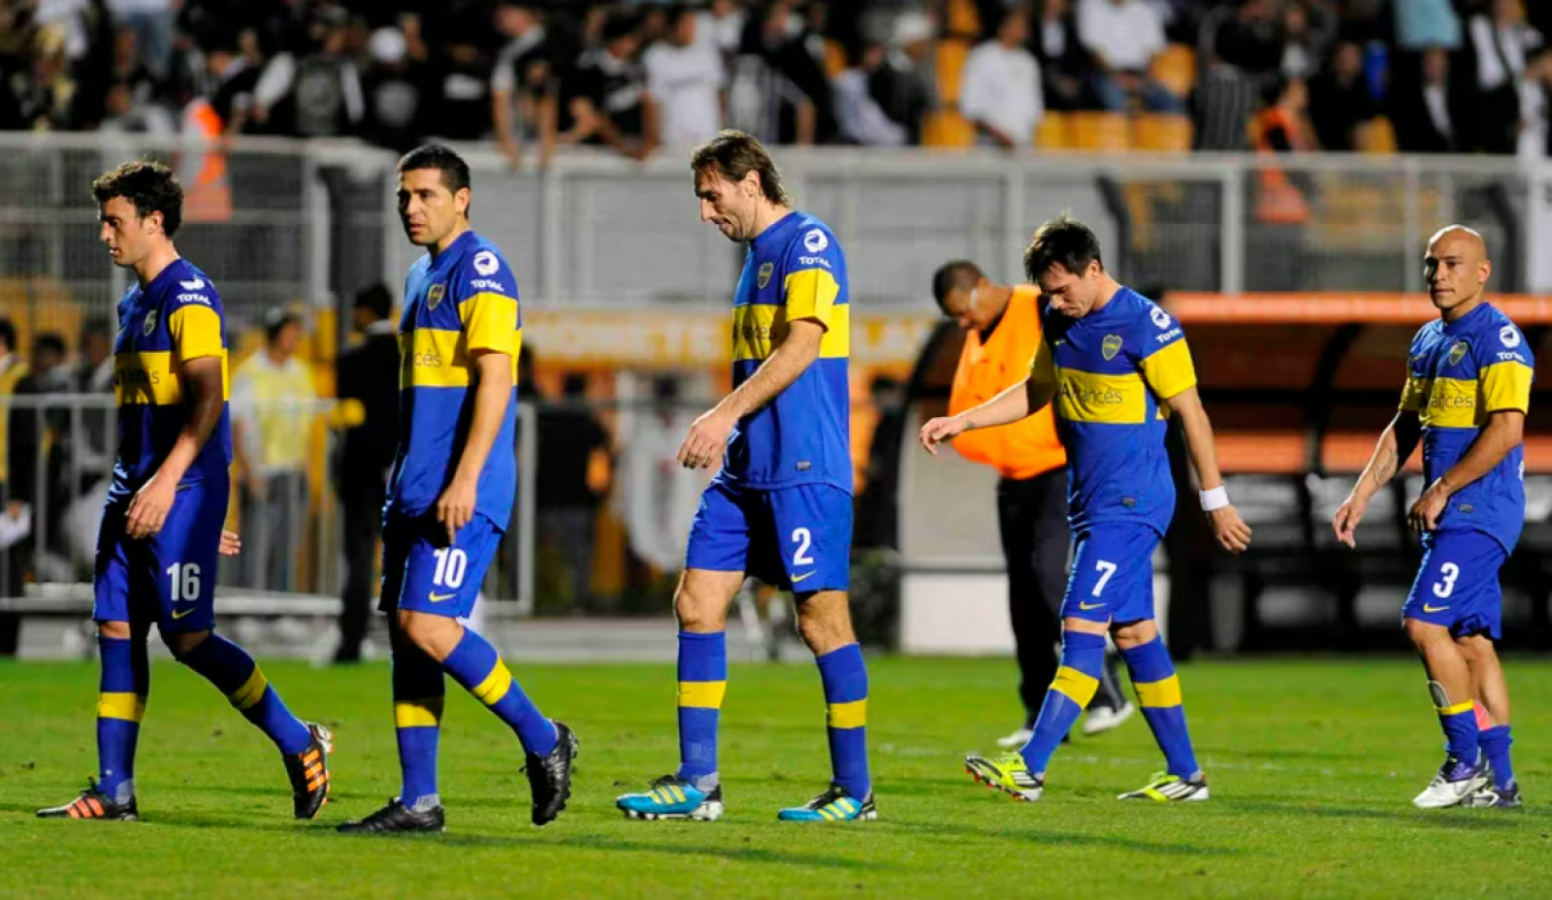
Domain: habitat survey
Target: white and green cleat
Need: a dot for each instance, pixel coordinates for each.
(1007, 773)
(1167, 788)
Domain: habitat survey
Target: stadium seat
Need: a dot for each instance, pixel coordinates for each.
(1101, 131)
(963, 19)
(1053, 132)
(1379, 138)
(834, 58)
(950, 63)
(947, 128)
(1162, 133)
(1175, 68)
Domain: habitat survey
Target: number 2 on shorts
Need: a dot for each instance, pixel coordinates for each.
(804, 539)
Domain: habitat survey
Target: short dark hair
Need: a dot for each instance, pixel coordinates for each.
(377, 299)
(48, 341)
(619, 25)
(455, 172)
(961, 274)
(276, 320)
(734, 154)
(149, 185)
(1062, 240)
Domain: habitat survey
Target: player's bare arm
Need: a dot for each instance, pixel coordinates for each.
(1014, 404)
(455, 507)
(148, 510)
(709, 435)
(1395, 446)
(1504, 431)
(1230, 530)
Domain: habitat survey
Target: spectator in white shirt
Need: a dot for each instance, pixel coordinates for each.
(1000, 92)
(685, 75)
(1124, 36)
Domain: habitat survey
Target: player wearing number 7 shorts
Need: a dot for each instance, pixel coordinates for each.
(781, 508)
(161, 531)
(1466, 397)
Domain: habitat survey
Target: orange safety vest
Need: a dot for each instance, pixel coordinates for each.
(1278, 201)
(1023, 449)
(207, 193)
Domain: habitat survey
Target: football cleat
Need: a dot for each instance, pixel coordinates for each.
(671, 797)
(1007, 773)
(93, 804)
(834, 805)
(1017, 739)
(1492, 797)
(1455, 782)
(396, 817)
(549, 777)
(309, 773)
(1167, 788)
(1104, 718)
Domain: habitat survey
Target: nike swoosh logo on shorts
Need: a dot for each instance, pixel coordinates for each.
(438, 598)
(180, 613)
(1088, 606)
(798, 578)
(1434, 609)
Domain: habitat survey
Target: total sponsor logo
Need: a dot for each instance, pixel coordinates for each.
(486, 284)
(1509, 356)
(813, 261)
(1168, 336)
(194, 298)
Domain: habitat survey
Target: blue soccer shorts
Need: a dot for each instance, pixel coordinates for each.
(1112, 574)
(795, 539)
(1457, 584)
(422, 572)
(170, 577)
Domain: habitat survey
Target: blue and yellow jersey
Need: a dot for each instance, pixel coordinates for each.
(1458, 373)
(460, 303)
(1112, 369)
(171, 321)
(794, 270)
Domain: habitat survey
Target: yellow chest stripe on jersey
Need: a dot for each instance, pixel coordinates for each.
(758, 329)
(1450, 403)
(1091, 397)
(436, 357)
(152, 378)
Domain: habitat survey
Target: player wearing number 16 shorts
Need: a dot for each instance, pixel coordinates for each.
(781, 507)
(1466, 397)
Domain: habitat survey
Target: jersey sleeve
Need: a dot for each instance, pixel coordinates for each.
(812, 282)
(195, 322)
(1505, 369)
(1163, 357)
(1414, 393)
(1042, 369)
(487, 304)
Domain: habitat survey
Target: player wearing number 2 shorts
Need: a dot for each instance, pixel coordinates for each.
(1466, 397)
(780, 509)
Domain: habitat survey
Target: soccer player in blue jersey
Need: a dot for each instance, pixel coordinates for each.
(453, 485)
(1116, 366)
(161, 530)
(1465, 400)
(781, 507)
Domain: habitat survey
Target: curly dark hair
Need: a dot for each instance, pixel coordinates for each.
(149, 185)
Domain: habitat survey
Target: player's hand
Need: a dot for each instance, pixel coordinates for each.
(943, 428)
(231, 544)
(455, 508)
(149, 508)
(1428, 508)
(706, 440)
(1230, 530)
(1345, 523)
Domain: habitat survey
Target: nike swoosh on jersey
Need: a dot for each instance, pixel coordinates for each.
(1434, 609)
(180, 613)
(798, 578)
(1088, 606)
(438, 598)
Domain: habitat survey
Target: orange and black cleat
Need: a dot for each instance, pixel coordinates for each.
(309, 773)
(93, 804)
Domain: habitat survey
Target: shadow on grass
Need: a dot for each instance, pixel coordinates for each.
(1042, 838)
(1472, 820)
(1281, 754)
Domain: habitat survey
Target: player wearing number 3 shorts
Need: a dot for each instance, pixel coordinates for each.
(781, 507)
(1466, 397)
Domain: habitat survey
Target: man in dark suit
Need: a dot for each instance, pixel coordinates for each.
(369, 407)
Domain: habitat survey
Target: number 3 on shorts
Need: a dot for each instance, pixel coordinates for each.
(1445, 586)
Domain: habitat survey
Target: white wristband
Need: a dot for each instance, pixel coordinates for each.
(1217, 498)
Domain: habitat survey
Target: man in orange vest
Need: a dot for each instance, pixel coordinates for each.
(1002, 330)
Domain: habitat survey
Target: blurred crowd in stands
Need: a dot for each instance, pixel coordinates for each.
(1442, 75)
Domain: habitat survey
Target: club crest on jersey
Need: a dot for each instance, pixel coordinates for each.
(766, 271)
(1110, 347)
(434, 295)
(150, 323)
(1458, 352)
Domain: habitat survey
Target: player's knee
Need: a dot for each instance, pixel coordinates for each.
(698, 612)
(1426, 634)
(182, 643)
(436, 636)
(1475, 647)
(1135, 634)
(114, 630)
(824, 623)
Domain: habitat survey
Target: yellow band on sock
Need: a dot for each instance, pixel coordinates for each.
(1160, 693)
(702, 694)
(1076, 685)
(849, 715)
(252, 690)
(126, 706)
(495, 686)
(423, 713)
(1457, 709)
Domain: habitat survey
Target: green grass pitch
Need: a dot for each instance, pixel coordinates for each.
(1312, 764)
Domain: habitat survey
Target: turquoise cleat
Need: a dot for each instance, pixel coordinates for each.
(834, 805)
(670, 797)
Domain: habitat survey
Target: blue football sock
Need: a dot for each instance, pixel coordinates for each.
(1495, 744)
(235, 674)
(418, 693)
(1461, 736)
(124, 685)
(1083, 661)
(1158, 692)
(475, 664)
(702, 684)
(845, 679)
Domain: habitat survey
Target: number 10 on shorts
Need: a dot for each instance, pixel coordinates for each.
(451, 564)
